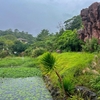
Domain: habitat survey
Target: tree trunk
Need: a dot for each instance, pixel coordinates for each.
(61, 82)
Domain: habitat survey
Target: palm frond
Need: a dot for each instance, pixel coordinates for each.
(48, 60)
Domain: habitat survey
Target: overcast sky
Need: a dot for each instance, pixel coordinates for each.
(34, 15)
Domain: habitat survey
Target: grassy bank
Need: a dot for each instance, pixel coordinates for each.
(67, 64)
(15, 67)
(76, 69)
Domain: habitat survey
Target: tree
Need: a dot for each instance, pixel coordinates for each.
(69, 41)
(43, 34)
(73, 23)
(6, 42)
(19, 47)
(91, 45)
(49, 62)
(1, 45)
(16, 31)
(44, 40)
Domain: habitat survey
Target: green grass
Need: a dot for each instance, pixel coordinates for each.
(17, 62)
(68, 63)
(14, 67)
(69, 60)
(19, 72)
(70, 66)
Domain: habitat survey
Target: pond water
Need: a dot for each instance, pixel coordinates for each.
(31, 88)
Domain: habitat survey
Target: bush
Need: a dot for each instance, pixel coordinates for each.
(37, 52)
(28, 51)
(4, 54)
(91, 45)
(69, 41)
(68, 85)
(19, 47)
(95, 83)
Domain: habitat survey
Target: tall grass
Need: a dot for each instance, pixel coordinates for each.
(69, 63)
(68, 85)
(71, 66)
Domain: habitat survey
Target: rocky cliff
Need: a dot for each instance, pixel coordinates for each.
(91, 22)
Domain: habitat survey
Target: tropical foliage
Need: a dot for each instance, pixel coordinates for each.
(48, 61)
(91, 45)
(73, 23)
(69, 41)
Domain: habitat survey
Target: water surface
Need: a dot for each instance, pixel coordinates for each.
(31, 88)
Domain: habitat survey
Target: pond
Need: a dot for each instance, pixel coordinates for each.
(31, 88)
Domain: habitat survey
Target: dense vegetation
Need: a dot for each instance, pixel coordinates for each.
(22, 43)
(73, 23)
(76, 69)
(16, 33)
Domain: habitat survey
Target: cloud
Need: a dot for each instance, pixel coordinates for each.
(35, 15)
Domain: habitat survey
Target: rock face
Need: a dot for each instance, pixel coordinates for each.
(91, 21)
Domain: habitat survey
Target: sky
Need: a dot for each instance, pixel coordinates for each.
(34, 15)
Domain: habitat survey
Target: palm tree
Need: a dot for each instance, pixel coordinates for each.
(49, 61)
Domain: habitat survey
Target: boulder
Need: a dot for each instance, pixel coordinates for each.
(86, 93)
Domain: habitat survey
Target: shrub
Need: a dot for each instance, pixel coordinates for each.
(69, 41)
(38, 51)
(95, 83)
(91, 45)
(19, 47)
(3, 54)
(28, 51)
(68, 85)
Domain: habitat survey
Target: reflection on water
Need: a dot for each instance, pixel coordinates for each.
(32, 88)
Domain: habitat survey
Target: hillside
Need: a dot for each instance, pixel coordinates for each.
(76, 69)
(68, 63)
(18, 34)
